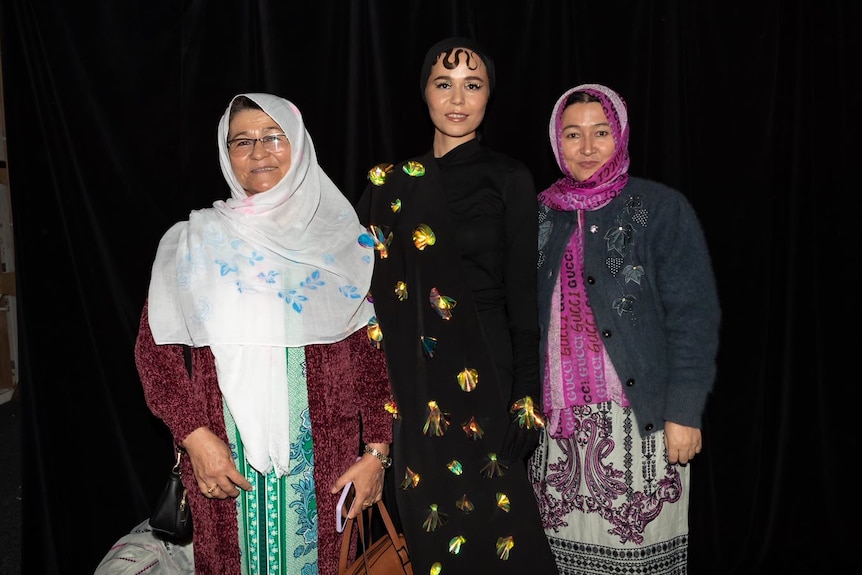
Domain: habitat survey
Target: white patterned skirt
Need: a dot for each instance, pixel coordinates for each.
(609, 500)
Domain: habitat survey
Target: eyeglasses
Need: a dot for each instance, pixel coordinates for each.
(272, 143)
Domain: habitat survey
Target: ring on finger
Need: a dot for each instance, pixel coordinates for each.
(211, 489)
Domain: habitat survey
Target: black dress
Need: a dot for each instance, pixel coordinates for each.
(455, 296)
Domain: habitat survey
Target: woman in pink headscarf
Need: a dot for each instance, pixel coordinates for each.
(629, 317)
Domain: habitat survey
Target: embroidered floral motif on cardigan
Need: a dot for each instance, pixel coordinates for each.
(620, 259)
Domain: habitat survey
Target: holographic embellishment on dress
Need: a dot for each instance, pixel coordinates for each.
(472, 429)
(429, 344)
(411, 479)
(493, 468)
(464, 504)
(382, 237)
(423, 236)
(414, 168)
(468, 379)
(504, 545)
(526, 413)
(377, 174)
(455, 544)
(434, 519)
(442, 304)
(375, 334)
(395, 206)
(436, 568)
(437, 421)
(503, 502)
(401, 291)
(455, 467)
(392, 408)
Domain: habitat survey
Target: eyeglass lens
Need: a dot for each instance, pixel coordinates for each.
(245, 146)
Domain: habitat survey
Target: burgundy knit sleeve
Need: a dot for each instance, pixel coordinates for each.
(373, 389)
(168, 390)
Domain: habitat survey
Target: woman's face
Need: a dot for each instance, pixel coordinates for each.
(457, 98)
(587, 141)
(257, 168)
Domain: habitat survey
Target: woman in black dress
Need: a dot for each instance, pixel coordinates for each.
(454, 290)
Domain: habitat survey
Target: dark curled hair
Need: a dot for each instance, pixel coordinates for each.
(580, 97)
(452, 57)
(449, 51)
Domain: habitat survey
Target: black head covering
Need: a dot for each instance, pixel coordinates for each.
(448, 44)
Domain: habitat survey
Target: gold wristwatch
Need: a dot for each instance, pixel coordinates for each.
(385, 460)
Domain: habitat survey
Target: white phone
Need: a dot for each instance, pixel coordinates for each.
(348, 494)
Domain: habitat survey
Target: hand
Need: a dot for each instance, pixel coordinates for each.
(682, 442)
(523, 434)
(367, 477)
(217, 476)
(519, 442)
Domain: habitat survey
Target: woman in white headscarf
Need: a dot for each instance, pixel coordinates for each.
(268, 290)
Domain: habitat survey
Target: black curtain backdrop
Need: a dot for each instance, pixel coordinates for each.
(751, 108)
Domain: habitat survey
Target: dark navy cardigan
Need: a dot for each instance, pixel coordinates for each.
(651, 288)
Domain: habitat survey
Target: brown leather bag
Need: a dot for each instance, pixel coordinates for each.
(386, 556)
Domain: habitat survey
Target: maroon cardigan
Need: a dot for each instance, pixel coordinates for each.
(347, 382)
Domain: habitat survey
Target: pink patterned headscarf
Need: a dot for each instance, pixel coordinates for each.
(568, 194)
(578, 370)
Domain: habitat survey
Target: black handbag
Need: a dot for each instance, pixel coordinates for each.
(171, 518)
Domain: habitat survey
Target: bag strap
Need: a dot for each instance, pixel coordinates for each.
(347, 537)
(398, 541)
(387, 521)
(390, 529)
(187, 358)
(178, 469)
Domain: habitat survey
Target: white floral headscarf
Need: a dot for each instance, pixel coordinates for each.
(256, 274)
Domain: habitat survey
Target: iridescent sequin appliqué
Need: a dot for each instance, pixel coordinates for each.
(382, 238)
(375, 334)
(434, 519)
(414, 168)
(411, 479)
(493, 467)
(377, 174)
(423, 236)
(442, 304)
(401, 291)
(464, 504)
(504, 545)
(468, 379)
(472, 429)
(455, 544)
(437, 421)
(527, 415)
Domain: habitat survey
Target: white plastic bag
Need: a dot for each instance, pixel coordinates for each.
(142, 552)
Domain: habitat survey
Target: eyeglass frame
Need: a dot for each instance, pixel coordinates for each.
(254, 141)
